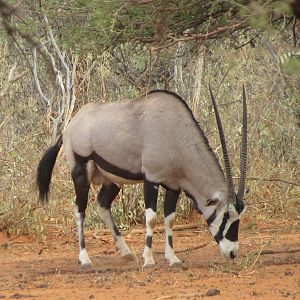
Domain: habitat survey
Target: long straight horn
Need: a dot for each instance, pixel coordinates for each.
(231, 194)
(243, 163)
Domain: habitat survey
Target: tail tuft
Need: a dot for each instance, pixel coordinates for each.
(45, 168)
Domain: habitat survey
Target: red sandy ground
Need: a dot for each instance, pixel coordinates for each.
(267, 267)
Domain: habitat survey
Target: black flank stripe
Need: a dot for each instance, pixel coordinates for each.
(110, 168)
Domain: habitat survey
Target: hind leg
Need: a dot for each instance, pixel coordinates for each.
(150, 196)
(171, 199)
(82, 185)
(105, 198)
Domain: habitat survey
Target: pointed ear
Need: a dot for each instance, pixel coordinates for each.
(212, 202)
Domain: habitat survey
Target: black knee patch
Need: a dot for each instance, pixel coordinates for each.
(149, 241)
(82, 244)
(81, 183)
(150, 194)
(105, 198)
(116, 230)
(171, 199)
(170, 241)
(107, 194)
(82, 241)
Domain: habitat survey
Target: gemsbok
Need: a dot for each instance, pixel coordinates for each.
(153, 139)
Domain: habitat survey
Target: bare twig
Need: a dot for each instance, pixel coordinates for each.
(294, 32)
(64, 81)
(73, 88)
(202, 36)
(88, 73)
(248, 42)
(270, 48)
(159, 229)
(266, 252)
(185, 250)
(36, 79)
(270, 179)
(10, 80)
(249, 270)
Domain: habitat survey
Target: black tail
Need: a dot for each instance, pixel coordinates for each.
(45, 168)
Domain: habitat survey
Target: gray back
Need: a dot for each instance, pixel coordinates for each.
(155, 135)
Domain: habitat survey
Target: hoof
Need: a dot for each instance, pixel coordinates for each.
(128, 257)
(148, 265)
(86, 265)
(173, 261)
(176, 264)
(84, 259)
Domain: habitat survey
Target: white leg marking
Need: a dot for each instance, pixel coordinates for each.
(150, 223)
(84, 258)
(83, 255)
(106, 217)
(148, 257)
(169, 251)
(121, 244)
(150, 220)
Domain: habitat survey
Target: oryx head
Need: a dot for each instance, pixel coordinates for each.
(224, 223)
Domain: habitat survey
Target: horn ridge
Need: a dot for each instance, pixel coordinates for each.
(243, 159)
(229, 178)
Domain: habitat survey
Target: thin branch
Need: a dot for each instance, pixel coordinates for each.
(203, 36)
(265, 252)
(11, 79)
(87, 74)
(185, 250)
(6, 12)
(294, 32)
(271, 179)
(141, 2)
(270, 48)
(2, 123)
(36, 79)
(249, 42)
(158, 229)
(54, 44)
(73, 97)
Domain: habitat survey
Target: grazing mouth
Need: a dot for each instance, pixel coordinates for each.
(232, 255)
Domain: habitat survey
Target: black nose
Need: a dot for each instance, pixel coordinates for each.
(232, 255)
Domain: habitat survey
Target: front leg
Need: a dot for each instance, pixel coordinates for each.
(105, 198)
(150, 196)
(171, 199)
